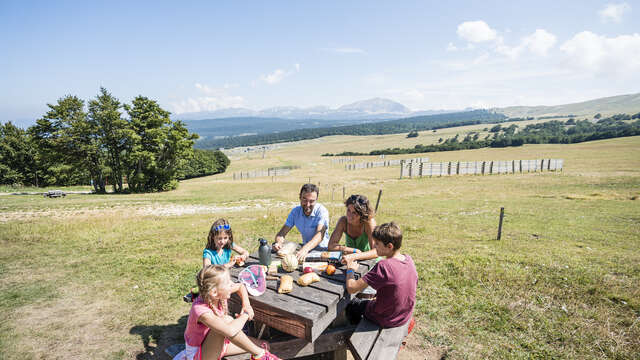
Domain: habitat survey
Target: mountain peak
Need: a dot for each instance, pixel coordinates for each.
(376, 106)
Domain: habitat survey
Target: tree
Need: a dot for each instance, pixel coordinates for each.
(496, 128)
(597, 116)
(158, 147)
(65, 143)
(113, 131)
(17, 163)
(412, 134)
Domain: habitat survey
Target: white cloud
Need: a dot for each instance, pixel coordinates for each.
(614, 12)
(345, 50)
(213, 99)
(451, 47)
(476, 31)
(540, 42)
(600, 54)
(278, 75)
(273, 78)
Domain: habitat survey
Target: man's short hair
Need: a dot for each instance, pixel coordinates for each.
(388, 233)
(309, 188)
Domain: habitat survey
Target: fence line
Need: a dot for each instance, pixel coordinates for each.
(341, 160)
(413, 169)
(386, 163)
(276, 171)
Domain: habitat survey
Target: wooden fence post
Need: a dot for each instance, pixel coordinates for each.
(500, 223)
(378, 201)
(483, 165)
(401, 168)
(458, 168)
(491, 168)
(343, 192)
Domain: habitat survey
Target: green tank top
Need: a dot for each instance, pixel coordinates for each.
(361, 242)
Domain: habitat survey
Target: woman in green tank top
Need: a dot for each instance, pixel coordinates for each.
(357, 226)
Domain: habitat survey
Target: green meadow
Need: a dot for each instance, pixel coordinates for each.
(102, 276)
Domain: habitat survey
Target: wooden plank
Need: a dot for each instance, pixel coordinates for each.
(330, 340)
(363, 339)
(389, 342)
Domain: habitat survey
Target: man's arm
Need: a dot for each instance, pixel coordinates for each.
(315, 241)
(279, 240)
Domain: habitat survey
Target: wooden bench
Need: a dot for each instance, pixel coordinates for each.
(370, 342)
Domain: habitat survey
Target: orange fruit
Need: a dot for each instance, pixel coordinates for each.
(330, 269)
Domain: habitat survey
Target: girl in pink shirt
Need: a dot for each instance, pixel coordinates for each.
(211, 333)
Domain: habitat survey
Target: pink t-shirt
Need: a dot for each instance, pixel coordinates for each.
(395, 282)
(196, 332)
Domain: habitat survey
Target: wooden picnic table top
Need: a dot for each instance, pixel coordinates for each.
(306, 311)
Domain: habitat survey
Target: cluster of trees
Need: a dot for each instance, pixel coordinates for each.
(70, 145)
(551, 132)
(417, 123)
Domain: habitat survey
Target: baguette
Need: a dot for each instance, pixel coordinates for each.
(308, 278)
(286, 284)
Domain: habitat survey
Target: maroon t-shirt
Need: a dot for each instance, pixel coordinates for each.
(395, 282)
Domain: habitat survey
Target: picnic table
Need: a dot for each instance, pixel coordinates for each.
(305, 313)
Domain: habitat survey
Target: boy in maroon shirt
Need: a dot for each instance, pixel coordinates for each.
(394, 278)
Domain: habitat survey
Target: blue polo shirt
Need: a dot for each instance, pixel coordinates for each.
(307, 225)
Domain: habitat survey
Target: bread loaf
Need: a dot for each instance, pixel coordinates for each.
(308, 278)
(286, 284)
(287, 248)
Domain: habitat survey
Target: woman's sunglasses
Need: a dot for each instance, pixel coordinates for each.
(222, 227)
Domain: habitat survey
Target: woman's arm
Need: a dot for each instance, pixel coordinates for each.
(240, 250)
(334, 241)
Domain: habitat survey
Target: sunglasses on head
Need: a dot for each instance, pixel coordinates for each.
(357, 199)
(222, 227)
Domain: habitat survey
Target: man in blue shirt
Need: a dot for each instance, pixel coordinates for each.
(312, 221)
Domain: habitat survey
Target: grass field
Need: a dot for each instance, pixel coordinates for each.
(102, 276)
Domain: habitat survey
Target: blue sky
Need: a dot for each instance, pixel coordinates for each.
(198, 56)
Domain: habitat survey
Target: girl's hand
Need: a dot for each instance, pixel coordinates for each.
(249, 310)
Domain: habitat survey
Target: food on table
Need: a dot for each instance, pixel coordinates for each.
(307, 269)
(330, 269)
(308, 278)
(289, 263)
(239, 261)
(287, 248)
(315, 265)
(286, 284)
(273, 269)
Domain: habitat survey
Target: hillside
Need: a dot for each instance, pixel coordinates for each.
(427, 122)
(629, 104)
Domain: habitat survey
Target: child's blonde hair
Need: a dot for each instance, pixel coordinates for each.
(208, 278)
(219, 226)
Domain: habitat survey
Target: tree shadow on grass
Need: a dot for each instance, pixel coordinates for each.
(156, 338)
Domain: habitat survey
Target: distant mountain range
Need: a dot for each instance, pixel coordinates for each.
(371, 109)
